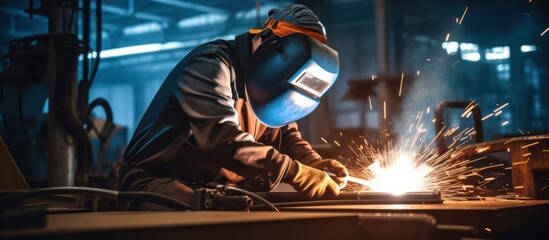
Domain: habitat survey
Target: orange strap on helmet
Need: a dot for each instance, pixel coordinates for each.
(282, 29)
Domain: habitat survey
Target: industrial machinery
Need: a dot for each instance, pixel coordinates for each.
(45, 67)
(45, 96)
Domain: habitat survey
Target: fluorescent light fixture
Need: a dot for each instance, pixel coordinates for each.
(497, 53)
(502, 67)
(468, 47)
(145, 48)
(153, 47)
(252, 13)
(116, 52)
(451, 47)
(142, 28)
(201, 20)
(528, 48)
(471, 56)
(46, 106)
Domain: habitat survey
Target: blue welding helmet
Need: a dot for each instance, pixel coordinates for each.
(286, 77)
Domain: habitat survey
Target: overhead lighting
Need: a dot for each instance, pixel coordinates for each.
(528, 48)
(201, 20)
(154, 47)
(451, 47)
(497, 53)
(468, 47)
(145, 48)
(469, 52)
(143, 28)
(252, 13)
(471, 56)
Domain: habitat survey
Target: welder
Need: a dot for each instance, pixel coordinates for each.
(226, 115)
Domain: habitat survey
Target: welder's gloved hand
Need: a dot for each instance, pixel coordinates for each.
(337, 171)
(312, 182)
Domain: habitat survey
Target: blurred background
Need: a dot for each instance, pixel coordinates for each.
(398, 60)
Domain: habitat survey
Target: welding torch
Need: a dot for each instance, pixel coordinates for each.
(352, 179)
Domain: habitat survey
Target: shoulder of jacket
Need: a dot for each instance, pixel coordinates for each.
(223, 48)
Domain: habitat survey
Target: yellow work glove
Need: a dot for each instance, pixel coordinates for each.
(313, 182)
(337, 171)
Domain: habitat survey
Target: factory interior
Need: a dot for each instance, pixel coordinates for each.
(438, 115)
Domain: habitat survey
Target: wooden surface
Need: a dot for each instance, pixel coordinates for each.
(183, 225)
(488, 217)
(10, 176)
(491, 219)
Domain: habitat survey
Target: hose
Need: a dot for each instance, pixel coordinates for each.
(16, 198)
(104, 134)
(67, 60)
(225, 188)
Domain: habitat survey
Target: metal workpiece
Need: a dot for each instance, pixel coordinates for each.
(289, 199)
(529, 165)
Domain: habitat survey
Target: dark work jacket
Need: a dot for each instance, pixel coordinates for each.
(199, 128)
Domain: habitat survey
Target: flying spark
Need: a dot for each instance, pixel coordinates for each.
(501, 107)
(413, 163)
(487, 116)
(401, 80)
(483, 149)
(504, 123)
(448, 36)
(370, 101)
(544, 32)
(518, 163)
(384, 110)
(529, 145)
(462, 16)
(508, 141)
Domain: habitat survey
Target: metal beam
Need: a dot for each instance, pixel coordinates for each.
(112, 9)
(153, 17)
(130, 12)
(188, 5)
(13, 11)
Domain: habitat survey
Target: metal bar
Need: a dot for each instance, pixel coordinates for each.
(354, 198)
(188, 5)
(439, 123)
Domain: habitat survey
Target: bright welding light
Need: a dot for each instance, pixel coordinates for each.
(398, 176)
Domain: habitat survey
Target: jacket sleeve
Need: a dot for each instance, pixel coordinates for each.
(294, 146)
(204, 91)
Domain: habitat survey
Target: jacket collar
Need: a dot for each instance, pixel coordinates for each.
(243, 53)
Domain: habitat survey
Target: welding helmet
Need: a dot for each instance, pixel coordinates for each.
(287, 75)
